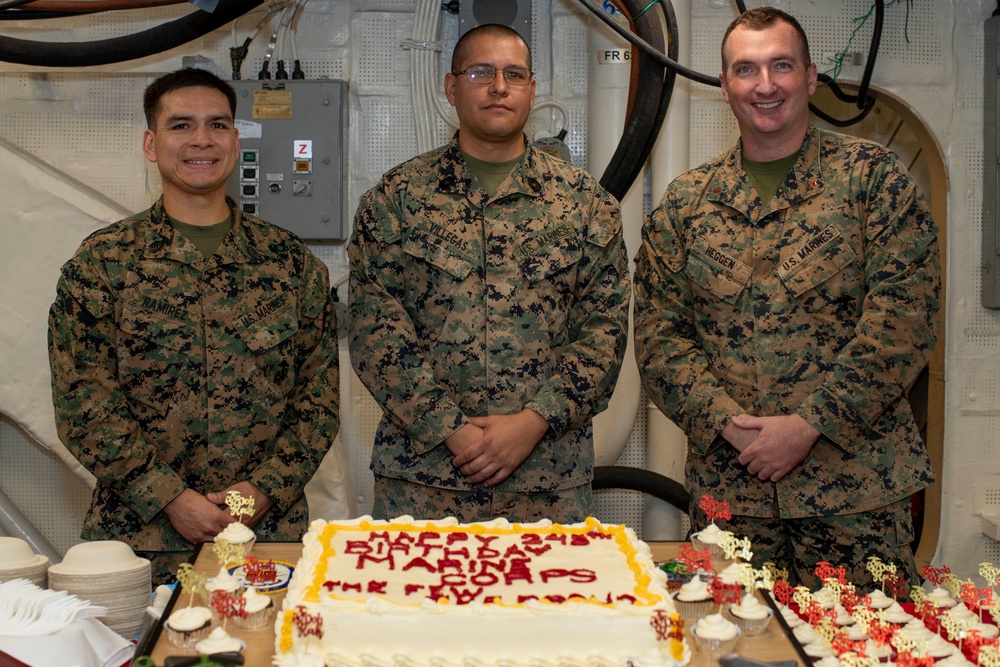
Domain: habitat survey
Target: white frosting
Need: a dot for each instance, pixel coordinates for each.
(750, 608)
(805, 633)
(880, 600)
(504, 594)
(843, 618)
(236, 533)
(827, 661)
(825, 598)
(818, 650)
(223, 581)
(714, 626)
(962, 613)
(987, 630)
(219, 641)
(956, 659)
(733, 572)
(710, 534)
(792, 619)
(937, 647)
(189, 618)
(255, 601)
(695, 590)
(942, 597)
(896, 614)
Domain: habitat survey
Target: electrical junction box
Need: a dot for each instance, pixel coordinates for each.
(991, 163)
(293, 150)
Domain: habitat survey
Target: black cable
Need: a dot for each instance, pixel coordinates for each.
(657, 56)
(129, 47)
(11, 4)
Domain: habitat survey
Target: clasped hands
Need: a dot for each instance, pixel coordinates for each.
(770, 447)
(199, 518)
(488, 449)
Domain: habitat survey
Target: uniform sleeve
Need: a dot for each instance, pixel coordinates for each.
(674, 368)
(591, 359)
(898, 327)
(384, 349)
(91, 411)
(312, 416)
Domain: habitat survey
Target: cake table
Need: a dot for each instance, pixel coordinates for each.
(773, 645)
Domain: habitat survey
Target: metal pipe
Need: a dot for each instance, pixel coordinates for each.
(15, 524)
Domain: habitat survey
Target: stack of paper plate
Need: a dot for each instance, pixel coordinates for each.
(108, 574)
(18, 561)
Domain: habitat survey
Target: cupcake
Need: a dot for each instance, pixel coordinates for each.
(805, 634)
(219, 641)
(942, 598)
(956, 659)
(896, 615)
(987, 630)
(188, 626)
(258, 608)
(693, 600)
(223, 581)
(880, 600)
(708, 538)
(750, 615)
(715, 635)
(238, 533)
(843, 619)
(825, 598)
(792, 620)
(818, 649)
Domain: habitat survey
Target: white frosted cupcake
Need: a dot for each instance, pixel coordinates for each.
(694, 601)
(715, 635)
(238, 533)
(817, 650)
(896, 615)
(942, 598)
(805, 633)
(825, 598)
(879, 600)
(792, 620)
(750, 615)
(843, 619)
(188, 626)
(708, 538)
(956, 659)
(223, 581)
(987, 630)
(219, 641)
(258, 608)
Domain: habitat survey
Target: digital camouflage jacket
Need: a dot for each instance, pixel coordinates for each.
(822, 303)
(170, 370)
(464, 305)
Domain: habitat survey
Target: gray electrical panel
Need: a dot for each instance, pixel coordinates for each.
(293, 146)
(991, 164)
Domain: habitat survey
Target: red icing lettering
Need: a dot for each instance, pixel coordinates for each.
(451, 553)
(531, 538)
(484, 579)
(377, 587)
(579, 541)
(598, 535)
(351, 587)
(453, 580)
(561, 539)
(578, 576)
(410, 589)
(449, 564)
(518, 571)
(524, 598)
(538, 551)
(388, 560)
(457, 537)
(485, 550)
(512, 550)
(557, 599)
(464, 596)
(421, 563)
(357, 547)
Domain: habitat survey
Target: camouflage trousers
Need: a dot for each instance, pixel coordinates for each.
(396, 497)
(797, 545)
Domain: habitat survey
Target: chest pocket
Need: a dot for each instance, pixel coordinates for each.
(277, 323)
(550, 262)
(716, 272)
(431, 249)
(807, 269)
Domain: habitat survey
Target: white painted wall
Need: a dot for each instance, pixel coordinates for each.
(87, 125)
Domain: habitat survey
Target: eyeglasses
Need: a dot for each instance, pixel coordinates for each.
(484, 74)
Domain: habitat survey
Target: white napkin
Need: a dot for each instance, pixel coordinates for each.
(85, 643)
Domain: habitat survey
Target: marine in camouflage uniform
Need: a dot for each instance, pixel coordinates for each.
(822, 303)
(468, 305)
(171, 370)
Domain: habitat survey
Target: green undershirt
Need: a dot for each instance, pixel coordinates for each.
(490, 174)
(206, 238)
(767, 177)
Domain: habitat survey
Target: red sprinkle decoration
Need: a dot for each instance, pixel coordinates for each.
(714, 509)
(896, 585)
(934, 574)
(229, 605)
(660, 620)
(907, 659)
(825, 571)
(723, 592)
(694, 560)
(307, 624)
(783, 591)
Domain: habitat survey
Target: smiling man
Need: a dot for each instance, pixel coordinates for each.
(489, 304)
(193, 348)
(786, 298)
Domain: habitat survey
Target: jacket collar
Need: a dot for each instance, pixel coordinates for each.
(731, 187)
(243, 243)
(455, 176)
